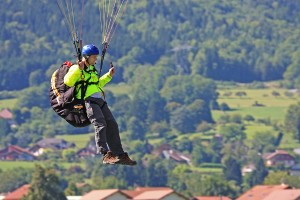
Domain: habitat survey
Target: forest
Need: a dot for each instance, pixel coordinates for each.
(171, 58)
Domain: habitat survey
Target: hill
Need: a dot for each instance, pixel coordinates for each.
(232, 41)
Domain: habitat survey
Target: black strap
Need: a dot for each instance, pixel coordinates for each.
(85, 83)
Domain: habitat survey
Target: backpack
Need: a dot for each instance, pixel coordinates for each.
(63, 100)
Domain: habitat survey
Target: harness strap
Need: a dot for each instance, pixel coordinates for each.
(85, 83)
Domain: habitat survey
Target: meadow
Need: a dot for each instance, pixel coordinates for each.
(267, 104)
(8, 165)
(7, 103)
(260, 103)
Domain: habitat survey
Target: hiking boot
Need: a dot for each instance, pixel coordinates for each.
(110, 158)
(125, 160)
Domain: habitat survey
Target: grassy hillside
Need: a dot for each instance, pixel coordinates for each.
(260, 103)
(270, 104)
(7, 103)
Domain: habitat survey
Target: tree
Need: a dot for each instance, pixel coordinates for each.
(282, 177)
(292, 120)
(36, 78)
(156, 110)
(232, 170)
(187, 89)
(249, 118)
(199, 155)
(14, 178)
(241, 94)
(136, 128)
(45, 185)
(232, 132)
(224, 107)
(261, 140)
(275, 94)
(72, 190)
(211, 185)
(4, 128)
(157, 173)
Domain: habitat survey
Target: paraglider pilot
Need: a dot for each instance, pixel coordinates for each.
(107, 136)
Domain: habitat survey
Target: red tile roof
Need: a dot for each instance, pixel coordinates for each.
(284, 194)
(153, 195)
(14, 148)
(211, 198)
(102, 194)
(259, 192)
(140, 190)
(18, 194)
(6, 114)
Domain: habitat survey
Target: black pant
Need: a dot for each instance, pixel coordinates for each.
(107, 135)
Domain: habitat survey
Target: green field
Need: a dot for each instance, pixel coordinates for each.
(79, 140)
(272, 107)
(273, 113)
(7, 103)
(7, 165)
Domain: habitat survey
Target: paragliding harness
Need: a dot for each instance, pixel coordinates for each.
(63, 99)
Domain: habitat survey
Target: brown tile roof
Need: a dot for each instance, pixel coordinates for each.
(153, 195)
(211, 198)
(101, 194)
(277, 152)
(261, 191)
(284, 194)
(140, 190)
(18, 194)
(6, 114)
(16, 150)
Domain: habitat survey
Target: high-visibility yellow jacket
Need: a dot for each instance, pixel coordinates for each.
(75, 75)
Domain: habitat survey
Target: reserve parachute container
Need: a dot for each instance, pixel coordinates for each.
(63, 100)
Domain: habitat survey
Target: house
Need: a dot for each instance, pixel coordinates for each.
(13, 152)
(74, 197)
(160, 195)
(167, 152)
(248, 169)
(109, 194)
(211, 198)
(50, 143)
(297, 151)
(18, 194)
(55, 143)
(153, 193)
(6, 114)
(86, 152)
(279, 157)
(259, 192)
(139, 190)
(291, 194)
(176, 156)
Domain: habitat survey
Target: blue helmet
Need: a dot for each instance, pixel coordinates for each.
(89, 50)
